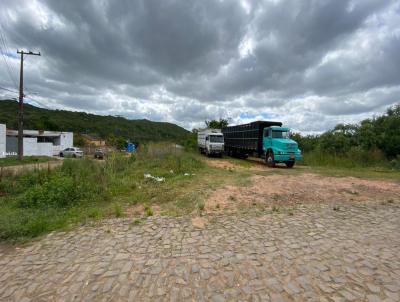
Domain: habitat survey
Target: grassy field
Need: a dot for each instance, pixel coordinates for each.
(85, 189)
(159, 179)
(340, 166)
(13, 161)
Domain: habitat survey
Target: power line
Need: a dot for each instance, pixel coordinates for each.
(13, 91)
(8, 69)
(36, 101)
(4, 50)
(3, 37)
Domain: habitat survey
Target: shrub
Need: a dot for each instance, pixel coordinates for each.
(201, 206)
(75, 182)
(117, 210)
(58, 191)
(395, 163)
(149, 211)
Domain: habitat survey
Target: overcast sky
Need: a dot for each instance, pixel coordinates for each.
(310, 63)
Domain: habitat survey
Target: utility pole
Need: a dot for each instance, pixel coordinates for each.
(21, 104)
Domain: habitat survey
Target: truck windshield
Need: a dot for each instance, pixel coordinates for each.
(280, 134)
(216, 139)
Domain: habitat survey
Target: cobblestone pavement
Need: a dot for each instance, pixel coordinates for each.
(316, 254)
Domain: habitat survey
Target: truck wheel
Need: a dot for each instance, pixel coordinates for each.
(289, 164)
(269, 159)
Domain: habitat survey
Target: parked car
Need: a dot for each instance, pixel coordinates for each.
(99, 153)
(71, 152)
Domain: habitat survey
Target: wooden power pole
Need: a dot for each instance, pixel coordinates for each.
(21, 104)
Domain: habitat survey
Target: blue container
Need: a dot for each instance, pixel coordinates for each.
(130, 148)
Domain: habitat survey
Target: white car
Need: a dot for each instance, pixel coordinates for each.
(71, 152)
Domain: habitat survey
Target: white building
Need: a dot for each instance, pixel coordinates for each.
(2, 140)
(36, 142)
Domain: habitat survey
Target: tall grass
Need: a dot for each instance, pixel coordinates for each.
(13, 160)
(355, 158)
(42, 201)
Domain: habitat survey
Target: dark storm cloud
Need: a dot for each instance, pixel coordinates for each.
(187, 61)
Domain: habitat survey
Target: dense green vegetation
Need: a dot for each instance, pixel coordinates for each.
(114, 129)
(217, 124)
(83, 189)
(13, 160)
(372, 142)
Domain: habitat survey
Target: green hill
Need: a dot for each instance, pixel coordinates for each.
(81, 122)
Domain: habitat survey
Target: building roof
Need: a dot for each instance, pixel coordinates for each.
(35, 133)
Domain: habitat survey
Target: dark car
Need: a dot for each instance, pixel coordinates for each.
(99, 153)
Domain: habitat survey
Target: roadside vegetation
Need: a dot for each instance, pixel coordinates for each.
(80, 190)
(373, 143)
(13, 160)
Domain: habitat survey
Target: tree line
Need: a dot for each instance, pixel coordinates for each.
(378, 135)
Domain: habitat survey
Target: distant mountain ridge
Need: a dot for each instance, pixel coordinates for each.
(81, 122)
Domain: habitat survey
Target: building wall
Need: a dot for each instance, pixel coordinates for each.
(45, 149)
(66, 140)
(34, 148)
(2, 140)
(30, 146)
(11, 144)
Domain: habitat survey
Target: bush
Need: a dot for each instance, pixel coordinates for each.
(395, 163)
(57, 191)
(73, 183)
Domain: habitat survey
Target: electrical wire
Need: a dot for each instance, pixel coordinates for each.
(6, 89)
(4, 50)
(28, 97)
(7, 50)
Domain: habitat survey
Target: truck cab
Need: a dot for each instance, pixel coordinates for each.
(211, 142)
(278, 147)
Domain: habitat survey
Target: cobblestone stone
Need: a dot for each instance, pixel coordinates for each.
(316, 254)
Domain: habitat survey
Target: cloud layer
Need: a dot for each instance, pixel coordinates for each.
(310, 64)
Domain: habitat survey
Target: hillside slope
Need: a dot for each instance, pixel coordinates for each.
(81, 122)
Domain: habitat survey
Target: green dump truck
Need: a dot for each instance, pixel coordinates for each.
(264, 139)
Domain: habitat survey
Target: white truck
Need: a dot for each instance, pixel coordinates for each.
(210, 142)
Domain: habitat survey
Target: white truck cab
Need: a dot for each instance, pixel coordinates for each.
(210, 142)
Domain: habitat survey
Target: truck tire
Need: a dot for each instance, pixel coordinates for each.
(289, 164)
(269, 159)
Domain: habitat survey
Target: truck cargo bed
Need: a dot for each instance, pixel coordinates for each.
(246, 139)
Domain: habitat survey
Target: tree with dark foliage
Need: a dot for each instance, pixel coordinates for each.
(214, 124)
